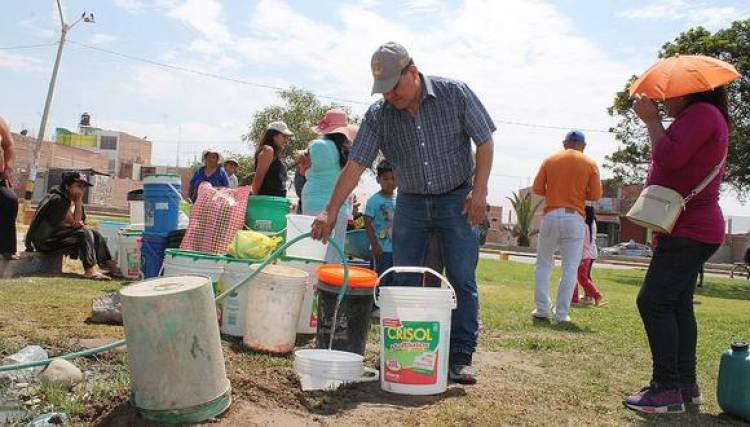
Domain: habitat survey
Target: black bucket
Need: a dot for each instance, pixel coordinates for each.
(353, 320)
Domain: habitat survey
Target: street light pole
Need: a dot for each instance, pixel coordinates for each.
(64, 28)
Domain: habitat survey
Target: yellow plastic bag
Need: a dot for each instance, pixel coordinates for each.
(249, 244)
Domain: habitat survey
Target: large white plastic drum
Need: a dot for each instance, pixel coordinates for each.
(174, 351)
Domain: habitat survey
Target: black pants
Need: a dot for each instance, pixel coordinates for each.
(666, 306)
(83, 243)
(8, 212)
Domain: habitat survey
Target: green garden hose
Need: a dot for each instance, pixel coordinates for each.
(252, 275)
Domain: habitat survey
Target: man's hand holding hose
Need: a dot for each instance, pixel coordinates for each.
(326, 221)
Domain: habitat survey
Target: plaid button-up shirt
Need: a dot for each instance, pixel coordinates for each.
(430, 153)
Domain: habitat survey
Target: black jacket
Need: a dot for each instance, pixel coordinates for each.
(49, 221)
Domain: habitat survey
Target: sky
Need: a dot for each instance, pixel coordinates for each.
(555, 65)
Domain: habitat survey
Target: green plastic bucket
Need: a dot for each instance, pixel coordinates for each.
(267, 213)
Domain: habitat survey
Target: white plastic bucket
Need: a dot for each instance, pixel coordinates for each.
(328, 369)
(175, 357)
(234, 307)
(308, 248)
(415, 326)
(178, 262)
(136, 214)
(308, 314)
(129, 254)
(109, 230)
(275, 296)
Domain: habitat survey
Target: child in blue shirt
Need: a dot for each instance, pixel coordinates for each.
(379, 221)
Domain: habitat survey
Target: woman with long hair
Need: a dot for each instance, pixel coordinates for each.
(270, 171)
(682, 156)
(328, 155)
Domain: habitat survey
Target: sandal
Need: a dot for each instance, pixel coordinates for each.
(99, 277)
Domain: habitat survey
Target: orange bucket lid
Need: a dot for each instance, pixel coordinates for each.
(359, 277)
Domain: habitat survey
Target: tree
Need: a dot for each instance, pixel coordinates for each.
(629, 163)
(525, 210)
(300, 110)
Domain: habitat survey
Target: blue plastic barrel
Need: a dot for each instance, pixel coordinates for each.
(161, 202)
(152, 253)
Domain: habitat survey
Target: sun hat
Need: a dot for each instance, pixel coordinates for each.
(280, 127)
(336, 121)
(208, 151)
(232, 160)
(575, 135)
(387, 63)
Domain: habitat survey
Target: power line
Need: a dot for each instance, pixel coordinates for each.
(537, 125)
(28, 46)
(206, 73)
(277, 88)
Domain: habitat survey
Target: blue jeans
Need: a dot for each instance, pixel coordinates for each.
(416, 218)
(384, 263)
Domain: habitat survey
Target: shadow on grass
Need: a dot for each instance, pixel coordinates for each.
(560, 326)
(736, 290)
(691, 416)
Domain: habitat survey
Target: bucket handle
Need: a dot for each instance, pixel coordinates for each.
(420, 270)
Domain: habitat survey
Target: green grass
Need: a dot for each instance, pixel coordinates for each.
(531, 373)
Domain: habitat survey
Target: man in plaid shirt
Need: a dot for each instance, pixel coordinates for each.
(424, 126)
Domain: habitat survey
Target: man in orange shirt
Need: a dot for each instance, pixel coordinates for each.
(566, 180)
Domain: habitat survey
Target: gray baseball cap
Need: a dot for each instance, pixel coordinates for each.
(387, 63)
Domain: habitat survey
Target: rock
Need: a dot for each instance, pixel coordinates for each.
(89, 343)
(32, 402)
(62, 373)
(106, 309)
(32, 353)
(50, 419)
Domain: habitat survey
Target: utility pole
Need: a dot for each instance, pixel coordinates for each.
(64, 28)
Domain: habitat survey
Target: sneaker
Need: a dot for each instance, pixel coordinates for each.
(587, 301)
(540, 314)
(655, 400)
(561, 319)
(600, 301)
(462, 374)
(691, 394)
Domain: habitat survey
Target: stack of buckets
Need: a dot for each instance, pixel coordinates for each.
(267, 214)
(161, 206)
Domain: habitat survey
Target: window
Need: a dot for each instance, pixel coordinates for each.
(108, 142)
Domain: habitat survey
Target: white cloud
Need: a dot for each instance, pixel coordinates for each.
(524, 60)
(30, 24)
(138, 6)
(102, 39)
(204, 16)
(153, 82)
(691, 12)
(17, 62)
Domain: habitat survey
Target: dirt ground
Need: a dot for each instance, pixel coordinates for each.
(273, 397)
